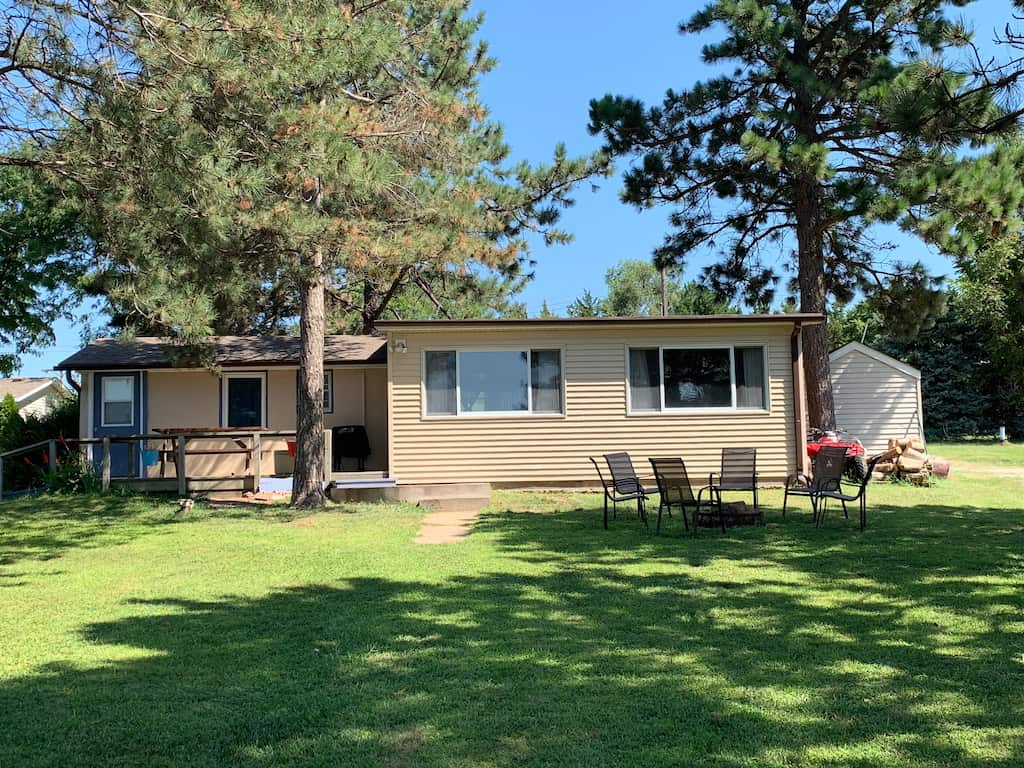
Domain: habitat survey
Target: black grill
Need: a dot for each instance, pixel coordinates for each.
(350, 442)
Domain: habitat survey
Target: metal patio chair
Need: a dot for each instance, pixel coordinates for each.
(624, 485)
(826, 474)
(674, 490)
(861, 496)
(739, 473)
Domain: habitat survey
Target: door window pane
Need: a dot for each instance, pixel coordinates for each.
(440, 382)
(118, 401)
(245, 402)
(493, 382)
(750, 378)
(697, 378)
(546, 380)
(644, 380)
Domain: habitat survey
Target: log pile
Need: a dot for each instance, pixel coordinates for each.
(907, 460)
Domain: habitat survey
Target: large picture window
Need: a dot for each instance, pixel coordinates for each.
(693, 378)
(511, 382)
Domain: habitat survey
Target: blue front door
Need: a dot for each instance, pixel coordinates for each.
(117, 410)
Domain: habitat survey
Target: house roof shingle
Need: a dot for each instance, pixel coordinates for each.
(20, 386)
(223, 351)
(804, 318)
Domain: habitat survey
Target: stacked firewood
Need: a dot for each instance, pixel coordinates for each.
(906, 459)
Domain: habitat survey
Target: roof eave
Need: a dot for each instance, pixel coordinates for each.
(803, 318)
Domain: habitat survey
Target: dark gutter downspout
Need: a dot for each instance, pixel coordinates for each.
(72, 383)
(799, 403)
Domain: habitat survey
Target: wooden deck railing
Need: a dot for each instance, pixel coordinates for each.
(179, 439)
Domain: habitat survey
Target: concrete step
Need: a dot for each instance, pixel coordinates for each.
(470, 506)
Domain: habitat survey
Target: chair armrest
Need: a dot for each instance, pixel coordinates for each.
(799, 479)
(711, 479)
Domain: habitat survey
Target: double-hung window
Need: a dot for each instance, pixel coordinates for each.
(697, 378)
(498, 382)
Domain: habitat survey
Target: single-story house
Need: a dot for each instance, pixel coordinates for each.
(34, 396)
(877, 397)
(510, 402)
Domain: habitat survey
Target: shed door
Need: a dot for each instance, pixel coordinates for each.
(117, 410)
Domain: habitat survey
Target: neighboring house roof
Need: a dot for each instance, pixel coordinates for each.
(805, 318)
(223, 351)
(25, 388)
(874, 354)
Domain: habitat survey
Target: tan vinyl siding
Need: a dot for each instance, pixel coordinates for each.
(555, 449)
(875, 401)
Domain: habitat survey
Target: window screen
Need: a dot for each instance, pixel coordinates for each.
(439, 379)
(644, 380)
(750, 378)
(546, 380)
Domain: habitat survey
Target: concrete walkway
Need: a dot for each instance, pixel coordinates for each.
(446, 527)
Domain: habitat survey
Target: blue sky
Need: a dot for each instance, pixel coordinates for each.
(554, 57)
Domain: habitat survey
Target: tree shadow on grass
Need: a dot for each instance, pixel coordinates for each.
(45, 527)
(574, 666)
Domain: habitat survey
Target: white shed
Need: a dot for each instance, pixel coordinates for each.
(876, 396)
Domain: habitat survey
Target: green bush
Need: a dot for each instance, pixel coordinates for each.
(74, 475)
(29, 470)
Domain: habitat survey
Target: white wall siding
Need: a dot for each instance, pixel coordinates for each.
(875, 401)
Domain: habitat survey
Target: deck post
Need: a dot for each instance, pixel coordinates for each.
(328, 454)
(257, 460)
(51, 456)
(105, 466)
(179, 470)
(131, 460)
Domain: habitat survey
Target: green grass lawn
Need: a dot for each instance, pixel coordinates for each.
(981, 452)
(135, 635)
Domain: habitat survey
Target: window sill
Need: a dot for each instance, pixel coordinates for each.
(701, 412)
(492, 416)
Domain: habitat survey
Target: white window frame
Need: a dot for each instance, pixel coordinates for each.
(329, 390)
(703, 410)
(264, 394)
(460, 414)
(103, 401)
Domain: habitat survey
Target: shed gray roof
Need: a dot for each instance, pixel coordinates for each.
(223, 351)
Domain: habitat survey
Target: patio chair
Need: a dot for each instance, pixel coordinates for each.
(739, 473)
(624, 485)
(674, 490)
(826, 473)
(860, 496)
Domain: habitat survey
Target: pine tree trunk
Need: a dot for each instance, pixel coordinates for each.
(308, 480)
(811, 280)
(811, 248)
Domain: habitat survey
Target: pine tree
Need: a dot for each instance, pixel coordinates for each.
(299, 144)
(44, 251)
(833, 117)
(634, 290)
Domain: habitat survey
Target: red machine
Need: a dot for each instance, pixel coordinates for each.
(856, 461)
